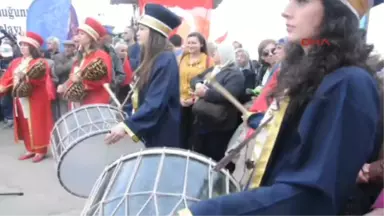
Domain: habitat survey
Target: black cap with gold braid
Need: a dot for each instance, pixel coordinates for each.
(160, 19)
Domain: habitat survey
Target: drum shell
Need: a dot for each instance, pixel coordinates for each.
(157, 181)
(95, 70)
(75, 92)
(37, 70)
(22, 89)
(241, 173)
(78, 147)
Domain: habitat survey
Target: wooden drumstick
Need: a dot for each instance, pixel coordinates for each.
(229, 97)
(111, 94)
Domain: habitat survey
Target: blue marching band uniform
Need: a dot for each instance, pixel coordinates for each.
(307, 163)
(308, 168)
(156, 118)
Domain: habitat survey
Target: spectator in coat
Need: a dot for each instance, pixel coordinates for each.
(244, 63)
(118, 74)
(53, 44)
(62, 67)
(129, 37)
(214, 132)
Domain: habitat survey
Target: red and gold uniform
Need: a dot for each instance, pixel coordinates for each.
(94, 70)
(32, 99)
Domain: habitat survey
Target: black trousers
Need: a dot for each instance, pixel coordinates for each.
(122, 92)
(214, 144)
(186, 127)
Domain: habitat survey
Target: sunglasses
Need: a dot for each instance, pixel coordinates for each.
(266, 53)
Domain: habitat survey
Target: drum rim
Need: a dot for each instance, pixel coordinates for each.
(61, 119)
(65, 152)
(172, 151)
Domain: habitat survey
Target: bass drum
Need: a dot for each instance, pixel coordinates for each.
(79, 150)
(157, 181)
(241, 173)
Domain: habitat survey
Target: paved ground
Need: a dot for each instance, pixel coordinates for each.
(43, 194)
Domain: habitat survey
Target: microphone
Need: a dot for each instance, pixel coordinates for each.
(7, 35)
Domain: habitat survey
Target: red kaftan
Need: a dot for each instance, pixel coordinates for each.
(96, 94)
(33, 120)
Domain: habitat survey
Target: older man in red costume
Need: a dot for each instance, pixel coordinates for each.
(29, 79)
(92, 69)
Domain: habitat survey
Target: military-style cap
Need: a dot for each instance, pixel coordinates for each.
(160, 19)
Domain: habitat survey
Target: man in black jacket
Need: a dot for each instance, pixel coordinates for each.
(118, 74)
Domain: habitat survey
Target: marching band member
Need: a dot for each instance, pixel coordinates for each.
(323, 124)
(91, 70)
(29, 79)
(156, 119)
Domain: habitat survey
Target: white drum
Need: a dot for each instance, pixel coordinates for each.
(241, 172)
(78, 146)
(157, 181)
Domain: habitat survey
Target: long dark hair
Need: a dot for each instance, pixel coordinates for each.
(34, 52)
(302, 73)
(155, 45)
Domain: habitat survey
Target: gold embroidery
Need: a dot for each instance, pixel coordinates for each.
(266, 140)
(135, 99)
(30, 131)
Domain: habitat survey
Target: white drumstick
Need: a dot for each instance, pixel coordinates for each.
(111, 94)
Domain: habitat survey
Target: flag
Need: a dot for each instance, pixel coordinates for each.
(221, 39)
(52, 18)
(195, 14)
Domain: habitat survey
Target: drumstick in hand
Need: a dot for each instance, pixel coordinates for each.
(229, 97)
(111, 94)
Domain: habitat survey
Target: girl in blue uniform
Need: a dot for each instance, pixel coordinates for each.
(324, 121)
(156, 117)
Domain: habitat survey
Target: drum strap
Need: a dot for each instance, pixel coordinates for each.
(265, 141)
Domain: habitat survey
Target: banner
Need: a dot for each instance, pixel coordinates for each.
(52, 18)
(195, 14)
(13, 15)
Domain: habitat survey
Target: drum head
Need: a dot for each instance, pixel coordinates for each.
(81, 165)
(237, 137)
(157, 182)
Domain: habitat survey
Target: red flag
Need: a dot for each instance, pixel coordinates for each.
(221, 39)
(201, 18)
(179, 3)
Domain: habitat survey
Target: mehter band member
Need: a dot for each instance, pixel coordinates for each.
(156, 101)
(323, 121)
(29, 79)
(91, 70)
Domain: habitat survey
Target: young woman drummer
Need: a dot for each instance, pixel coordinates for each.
(91, 70)
(323, 122)
(156, 101)
(29, 79)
